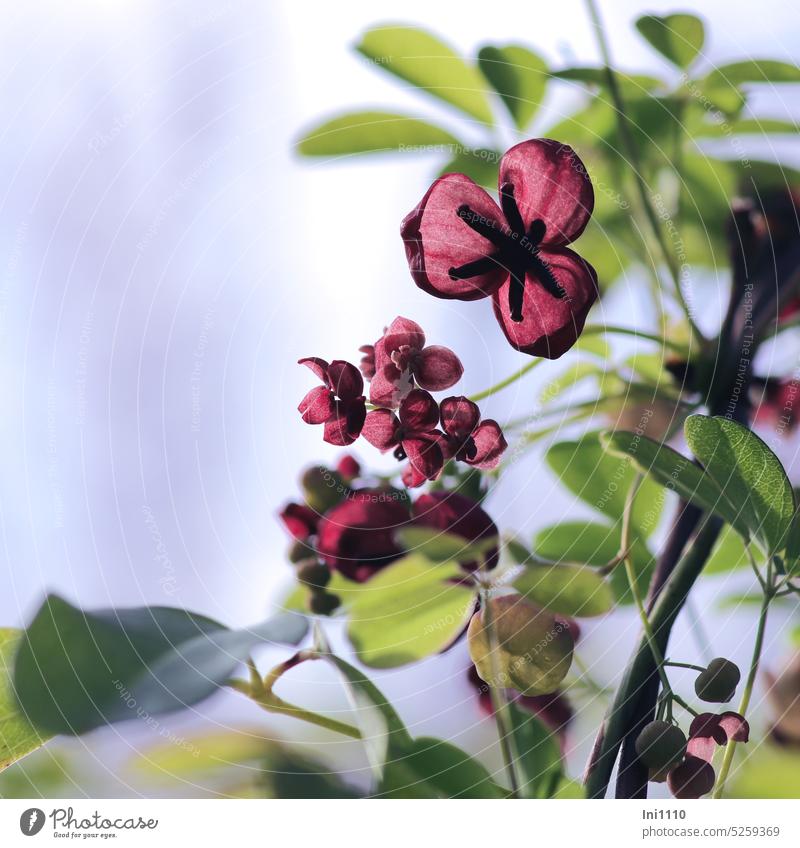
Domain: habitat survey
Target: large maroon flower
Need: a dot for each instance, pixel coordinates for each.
(461, 245)
(454, 513)
(411, 433)
(357, 537)
(400, 359)
(338, 403)
(470, 440)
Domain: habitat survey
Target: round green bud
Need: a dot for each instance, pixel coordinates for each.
(314, 574)
(323, 603)
(323, 488)
(717, 684)
(660, 744)
(534, 647)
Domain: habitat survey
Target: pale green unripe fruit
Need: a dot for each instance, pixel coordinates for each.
(534, 646)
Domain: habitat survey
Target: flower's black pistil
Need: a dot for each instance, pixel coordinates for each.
(517, 250)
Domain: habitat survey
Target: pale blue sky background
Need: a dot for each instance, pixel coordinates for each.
(165, 259)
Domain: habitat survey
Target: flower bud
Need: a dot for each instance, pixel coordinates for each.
(717, 684)
(691, 779)
(314, 574)
(322, 488)
(299, 551)
(534, 647)
(323, 603)
(660, 744)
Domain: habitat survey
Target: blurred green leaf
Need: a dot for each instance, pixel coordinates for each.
(573, 590)
(729, 553)
(411, 609)
(519, 76)
(78, 670)
(767, 772)
(754, 71)
(596, 544)
(679, 38)
(539, 756)
(432, 768)
(568, 379)
(374, 132)
(422, 59)
(748, 472)
(18, 736)
(438, 546)
(603, 481)
(747, 126)
(634, 83)
(479, 164)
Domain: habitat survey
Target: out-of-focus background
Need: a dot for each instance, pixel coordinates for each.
(165, 259)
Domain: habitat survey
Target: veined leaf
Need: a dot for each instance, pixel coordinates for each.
(422, 59)
(749, 473)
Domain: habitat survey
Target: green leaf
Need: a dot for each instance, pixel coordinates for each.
(675, 472)
(411, 610)
(678, 38)
(18, 736)
(754, 71)
(603, 481)
(747, 126)
(420, 58)
(519, 76)
(770, 771)
(634, 83)
(479, 164)
(374, 132)
(748, 472)
(729, 553)
(597, 545)
(432, 768)
(567, 589)
(79, 670)
(539, 756)
(438, 546)
(568, 379)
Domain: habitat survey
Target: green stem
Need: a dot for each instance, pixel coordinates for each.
(502, 716)
(616, 329)
(672, 664)
(273, 704)
(730, 748)
(508, 381)
(633, 156)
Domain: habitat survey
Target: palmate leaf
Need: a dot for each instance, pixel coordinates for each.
(374, 132)
(573, 590)
(78, 670)
(18, 736)
(518, 75)
(422, 59)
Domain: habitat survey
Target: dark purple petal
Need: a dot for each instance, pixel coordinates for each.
(345, 426)
(317, 365)
(419, 412)
(403, 332)
(380, 429)
(436, 368)
(550, 325)
(300, 520)
(460, 416)
(735, 726)
(693, 778)
(318, 406)
(345, 380)
(424, 456)
(437, 239)
(348, 466)
(490, 444)
(550, 183)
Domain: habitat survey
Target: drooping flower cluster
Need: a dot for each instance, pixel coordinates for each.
(356, 531)
(402, 371)
(460, 244)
